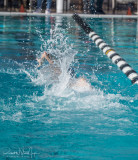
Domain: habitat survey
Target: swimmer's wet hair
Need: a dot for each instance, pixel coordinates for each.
(52, 57)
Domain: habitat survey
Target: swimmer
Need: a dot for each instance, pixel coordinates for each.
(80, 83)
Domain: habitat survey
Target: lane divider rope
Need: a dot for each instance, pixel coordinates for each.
(111, 53)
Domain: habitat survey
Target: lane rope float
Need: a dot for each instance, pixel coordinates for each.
(111, 53)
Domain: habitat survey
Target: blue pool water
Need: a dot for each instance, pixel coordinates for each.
(42, 118)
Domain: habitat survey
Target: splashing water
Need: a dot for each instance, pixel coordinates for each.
(58, 47)
(59, 97)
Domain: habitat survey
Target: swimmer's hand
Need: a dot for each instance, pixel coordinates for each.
(39, 62)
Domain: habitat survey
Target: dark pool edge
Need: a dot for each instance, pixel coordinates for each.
(66, 15)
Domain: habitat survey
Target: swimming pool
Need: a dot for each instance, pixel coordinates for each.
(44, 119)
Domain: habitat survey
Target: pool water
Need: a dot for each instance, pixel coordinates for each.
(43, 118)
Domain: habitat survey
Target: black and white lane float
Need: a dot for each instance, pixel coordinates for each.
(115, 57)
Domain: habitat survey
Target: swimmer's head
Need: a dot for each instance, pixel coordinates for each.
(52, 57)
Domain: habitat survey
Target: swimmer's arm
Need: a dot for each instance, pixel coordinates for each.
(44, 56)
